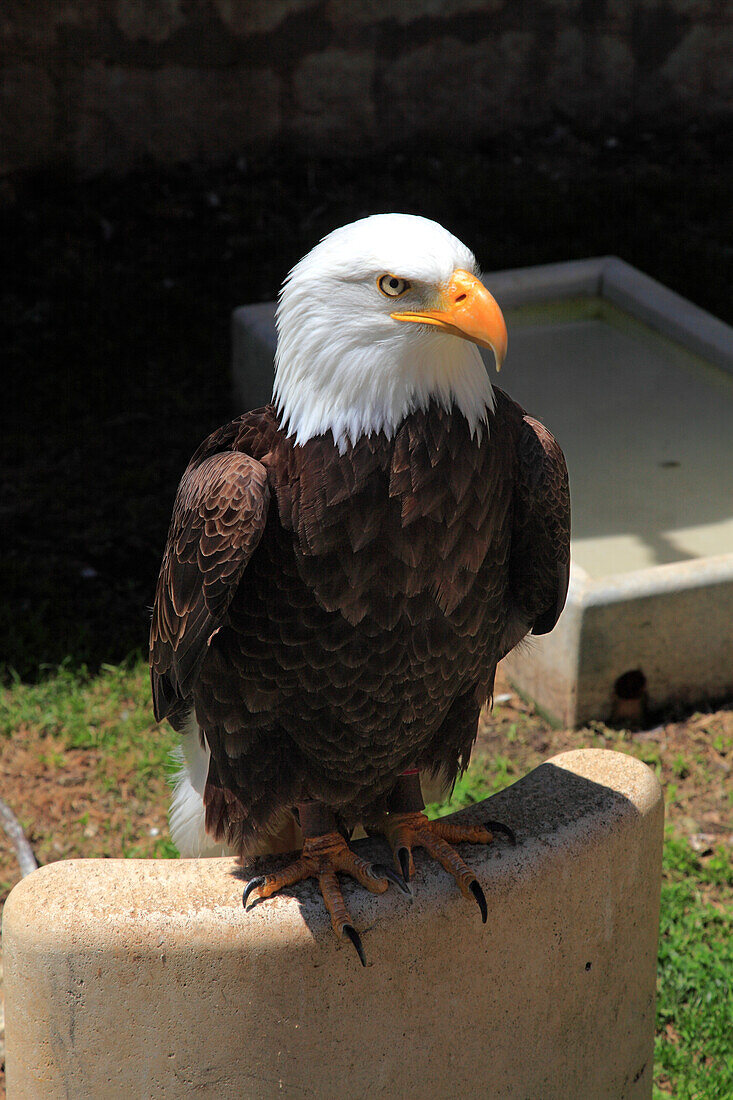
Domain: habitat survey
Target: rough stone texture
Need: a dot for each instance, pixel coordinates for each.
(332, 99)
(152, 20)
(146, 978)
(591, 75)
(172, 113)
(27, 109)
(495, 71)
(697, 9)
(258, 16)
(28, 29)
(702, 65)
(406, 11)
(348, 73)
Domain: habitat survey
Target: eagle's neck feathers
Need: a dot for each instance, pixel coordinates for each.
(328, 382)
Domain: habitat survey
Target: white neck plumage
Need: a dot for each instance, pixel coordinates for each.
(331, 377)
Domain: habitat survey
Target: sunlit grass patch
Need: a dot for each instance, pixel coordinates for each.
(485, 777)
(694, 1045)
(110, 712)
(84, 765)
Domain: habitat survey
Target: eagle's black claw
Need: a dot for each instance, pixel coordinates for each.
(480, 899)
(403, 856)
(350, 931)
(500, 827)
(251, 885)
(396, 880)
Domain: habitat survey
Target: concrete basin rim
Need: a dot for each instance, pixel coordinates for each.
(668, 578)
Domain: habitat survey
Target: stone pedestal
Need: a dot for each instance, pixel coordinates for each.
(135, 978)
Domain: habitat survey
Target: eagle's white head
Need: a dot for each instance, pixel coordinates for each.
(346, 359)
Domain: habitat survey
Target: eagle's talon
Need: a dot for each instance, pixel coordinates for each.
(478, 893)
(353, 935)
(397, 880)
(500, 827)
(324, 857)
(407, 830)
(252, 885)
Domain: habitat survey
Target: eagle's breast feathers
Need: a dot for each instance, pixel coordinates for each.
(324, 598)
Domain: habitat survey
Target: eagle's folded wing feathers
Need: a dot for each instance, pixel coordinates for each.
(540, 560)
(218, 519)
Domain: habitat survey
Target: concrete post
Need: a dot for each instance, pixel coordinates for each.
(135, 978)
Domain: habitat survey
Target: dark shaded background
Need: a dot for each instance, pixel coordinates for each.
(118, 288)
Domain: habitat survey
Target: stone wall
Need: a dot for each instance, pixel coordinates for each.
(104, 85)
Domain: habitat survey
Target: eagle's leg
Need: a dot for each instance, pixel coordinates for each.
(325, 853)
(406, 827)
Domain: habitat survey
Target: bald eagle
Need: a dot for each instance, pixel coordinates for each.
(346, 566)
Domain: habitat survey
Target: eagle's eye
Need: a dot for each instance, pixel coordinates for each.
(392, 286)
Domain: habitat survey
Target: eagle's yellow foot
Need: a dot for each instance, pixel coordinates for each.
(322, 858)
(406, 831)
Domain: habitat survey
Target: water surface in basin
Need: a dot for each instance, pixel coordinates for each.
(646, 427)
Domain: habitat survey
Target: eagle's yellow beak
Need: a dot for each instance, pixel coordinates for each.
(467, 310)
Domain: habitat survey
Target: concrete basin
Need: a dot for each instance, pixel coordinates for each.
(636, 383)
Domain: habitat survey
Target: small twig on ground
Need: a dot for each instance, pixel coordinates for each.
(23, 850)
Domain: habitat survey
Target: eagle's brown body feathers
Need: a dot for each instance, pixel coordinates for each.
(337, 618)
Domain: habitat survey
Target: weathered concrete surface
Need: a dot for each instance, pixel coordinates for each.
(146, 978)
(673, 622)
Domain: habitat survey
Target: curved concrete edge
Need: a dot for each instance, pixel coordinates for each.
(626, 775)
(626, 287)
(145, 977)
(56, 904)
(570, 279)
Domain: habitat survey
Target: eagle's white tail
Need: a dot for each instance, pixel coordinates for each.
(187, 816)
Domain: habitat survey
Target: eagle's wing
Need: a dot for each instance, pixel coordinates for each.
(218, 519)
(540, 555)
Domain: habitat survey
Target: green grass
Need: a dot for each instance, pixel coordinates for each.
(694, 1044)
(100, 762)
(109, 711)
(485, 777)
